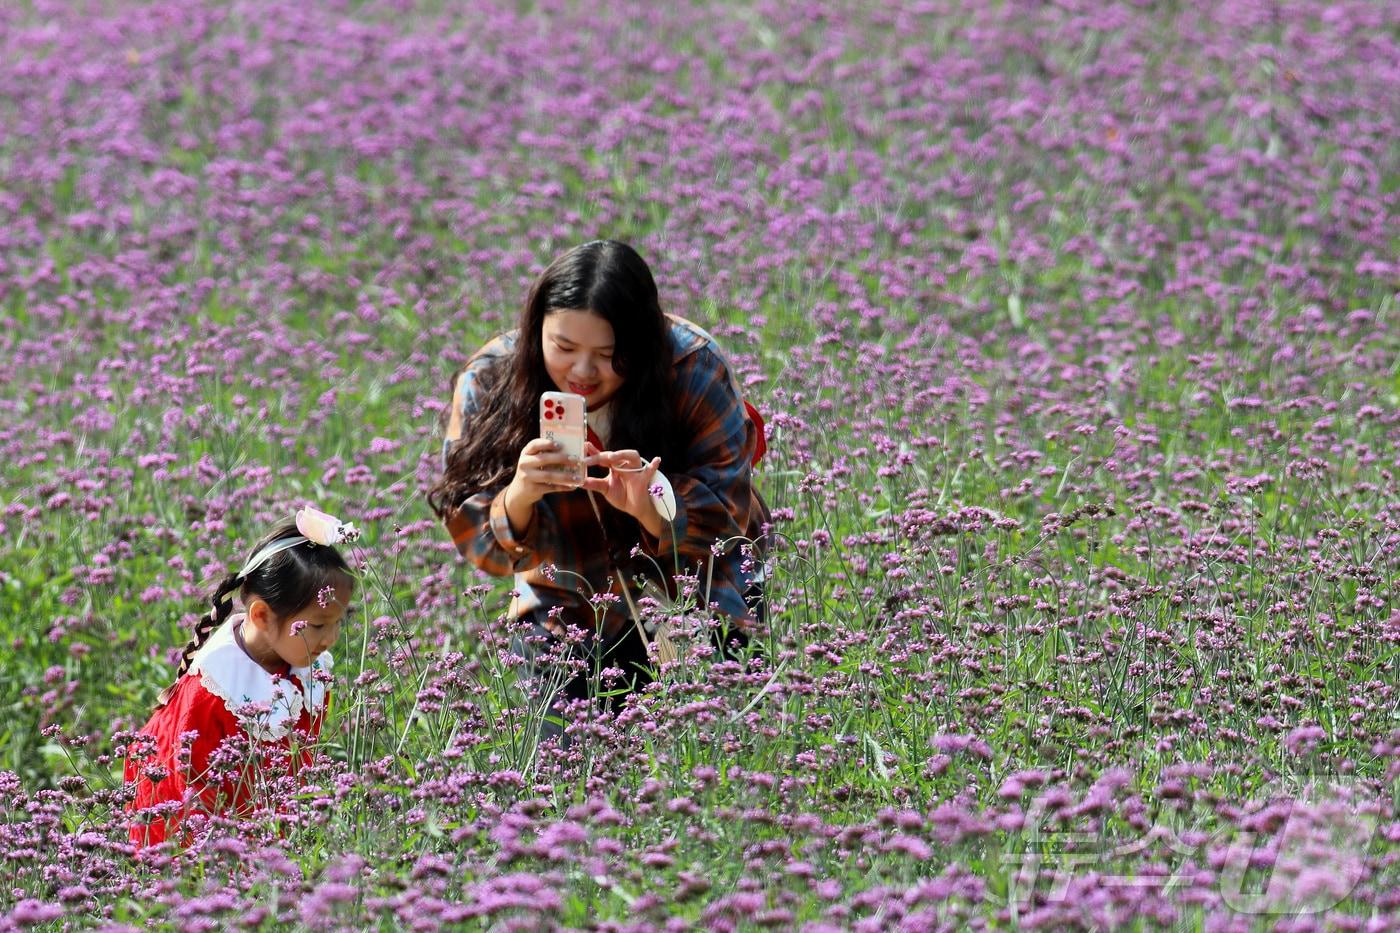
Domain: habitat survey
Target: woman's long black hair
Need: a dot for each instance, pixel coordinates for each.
(609, 279)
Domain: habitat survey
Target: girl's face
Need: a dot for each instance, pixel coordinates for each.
(300, 637)
(578, 350)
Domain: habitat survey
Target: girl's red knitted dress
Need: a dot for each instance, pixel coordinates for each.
(228, 728)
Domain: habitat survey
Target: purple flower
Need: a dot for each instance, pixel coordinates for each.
(1304, 739)
(30, 912)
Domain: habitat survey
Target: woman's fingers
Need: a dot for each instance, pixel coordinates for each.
(548, 472)
(621, 460)
(551, 481)
(553, 457)
(545, 466)
(627, 485)
(553, 460)
(600, 484)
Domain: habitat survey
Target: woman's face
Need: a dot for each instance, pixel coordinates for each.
(578, 350)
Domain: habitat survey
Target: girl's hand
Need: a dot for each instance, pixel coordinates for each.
(627, 487)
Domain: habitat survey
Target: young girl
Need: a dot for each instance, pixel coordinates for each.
(251, 692)
(659, 396)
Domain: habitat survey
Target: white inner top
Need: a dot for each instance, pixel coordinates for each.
(600, 420)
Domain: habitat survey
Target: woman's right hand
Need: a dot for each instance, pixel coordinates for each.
(537, 473)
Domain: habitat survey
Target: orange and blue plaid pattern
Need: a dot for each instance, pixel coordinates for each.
(566, 556)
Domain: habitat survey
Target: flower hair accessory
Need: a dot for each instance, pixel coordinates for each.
(316, 527)
(321, 528)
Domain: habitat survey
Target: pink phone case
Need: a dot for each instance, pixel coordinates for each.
(564, 420)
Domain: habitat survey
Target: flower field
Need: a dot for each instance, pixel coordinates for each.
(1077, 330)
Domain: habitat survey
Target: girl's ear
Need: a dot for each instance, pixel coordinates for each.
(260, 614)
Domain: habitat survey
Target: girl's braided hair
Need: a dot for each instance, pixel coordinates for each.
(286, 581)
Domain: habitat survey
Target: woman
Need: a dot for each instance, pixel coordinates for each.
(663, 411)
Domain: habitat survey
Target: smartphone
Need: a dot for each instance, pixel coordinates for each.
(564, 420)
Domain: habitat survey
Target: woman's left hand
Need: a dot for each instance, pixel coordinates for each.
(627, 487)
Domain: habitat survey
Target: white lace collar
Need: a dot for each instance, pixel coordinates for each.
(267, 706)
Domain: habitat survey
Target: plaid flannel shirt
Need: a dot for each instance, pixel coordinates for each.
(715, 502)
